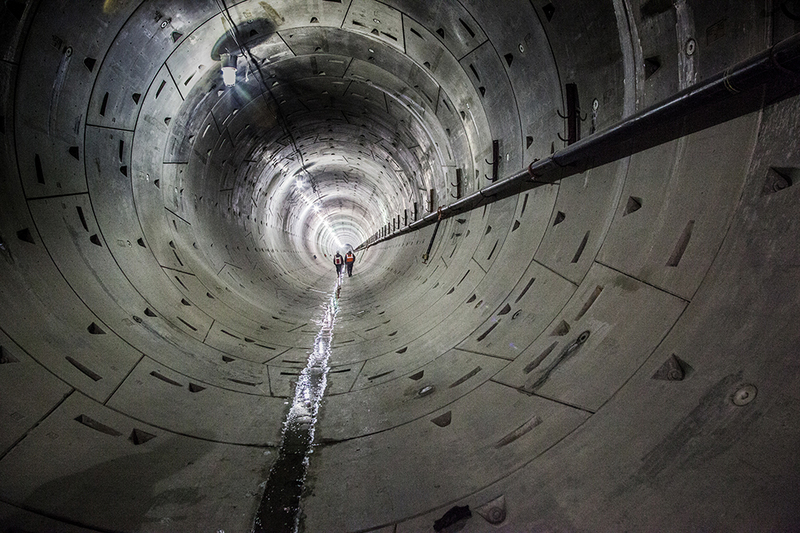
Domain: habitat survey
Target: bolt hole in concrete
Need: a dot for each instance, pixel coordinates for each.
(745, 394)
(280, 505)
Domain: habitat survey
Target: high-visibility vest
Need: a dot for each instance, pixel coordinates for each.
(349, 258)
(337, 260)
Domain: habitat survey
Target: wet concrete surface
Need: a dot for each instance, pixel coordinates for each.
(279, 511)
(164, 240)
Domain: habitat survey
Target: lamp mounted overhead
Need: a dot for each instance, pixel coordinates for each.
(229, 69)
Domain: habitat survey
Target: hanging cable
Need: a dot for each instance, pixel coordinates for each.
(243, 48)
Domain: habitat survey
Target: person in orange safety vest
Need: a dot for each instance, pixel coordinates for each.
(349, 259)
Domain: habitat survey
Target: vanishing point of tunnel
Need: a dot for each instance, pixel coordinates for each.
(576, 290)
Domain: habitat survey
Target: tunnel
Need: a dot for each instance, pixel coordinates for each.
(612, 349)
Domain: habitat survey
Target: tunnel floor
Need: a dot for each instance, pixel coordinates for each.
(279, 510)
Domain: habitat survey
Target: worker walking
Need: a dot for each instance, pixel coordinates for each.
(338, 261)
(349, 259)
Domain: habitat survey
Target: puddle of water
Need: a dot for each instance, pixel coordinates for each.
(279, 511)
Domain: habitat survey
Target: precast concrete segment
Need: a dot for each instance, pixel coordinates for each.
(100, 469)
(479, 445)
(24, 407)
(765, 78)
(205, 280)
(280, 505)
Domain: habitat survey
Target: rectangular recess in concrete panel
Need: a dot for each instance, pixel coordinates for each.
(626, 320)
(132, 485)
(518, 37)
(113, 204)
(592, 60)
(660, 54)
(118, 88)
(669, 186)
(522, 315)
(460, 33)
(311, 66)
(380, 479)
(282, 379)
(359, 89)
(57, 324)
(202, 148)
(580, 219)
(530, 223)
(296, 358)
(288, 98)
(68, 229)
(341, 378)
(190, 141)
(197, 289)
(446, 301)
(156, 219)
(457, 239)
(374, 329)
(226, 339)
(489, 78)
(109, 173)
(377, 20)
(121, 73)
(730, 34)
(498, 225)
(459, 148)
(407, 397)
(180, 208)
(434, 338)
(394, 83)
(689, 431)
(159, 134)
(229, 275)
(187, 318)
(46, 166)
(114, 208)
(383, 367)
(165, 343)
(167, 399)
(51, 97)
(29, 392)
(241, 127)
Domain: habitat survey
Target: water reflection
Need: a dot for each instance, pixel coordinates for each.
(279, 509)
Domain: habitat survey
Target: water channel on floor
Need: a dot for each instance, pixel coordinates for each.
(279, 511)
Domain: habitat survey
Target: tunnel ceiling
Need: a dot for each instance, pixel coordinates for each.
(328, 134)
(614, 351)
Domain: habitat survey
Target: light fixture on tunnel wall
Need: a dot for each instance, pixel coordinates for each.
(229, 69)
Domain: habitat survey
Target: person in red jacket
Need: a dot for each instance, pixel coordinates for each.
(349, 259)
(338, 261)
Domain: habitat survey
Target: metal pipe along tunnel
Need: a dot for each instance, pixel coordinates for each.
(611, 351)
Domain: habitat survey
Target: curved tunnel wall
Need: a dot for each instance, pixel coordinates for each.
(164, 268)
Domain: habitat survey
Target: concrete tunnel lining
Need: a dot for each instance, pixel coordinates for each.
(161, 286)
